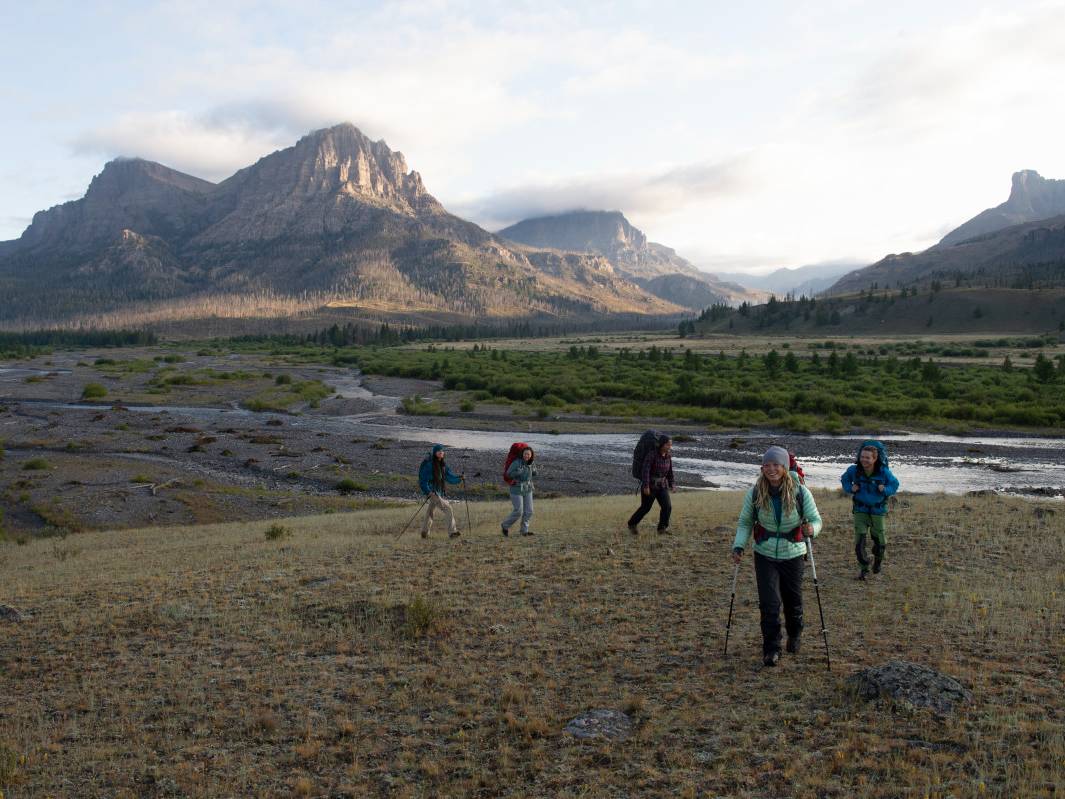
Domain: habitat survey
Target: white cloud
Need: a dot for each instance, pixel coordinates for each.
(636, 194)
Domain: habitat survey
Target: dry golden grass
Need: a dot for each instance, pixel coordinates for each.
(336, 661)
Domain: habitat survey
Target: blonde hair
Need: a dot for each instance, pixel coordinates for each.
(788, 489)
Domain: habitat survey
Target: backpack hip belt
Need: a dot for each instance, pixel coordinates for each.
(762, 534)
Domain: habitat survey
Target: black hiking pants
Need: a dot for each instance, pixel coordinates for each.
(665, 507)
(779, 582)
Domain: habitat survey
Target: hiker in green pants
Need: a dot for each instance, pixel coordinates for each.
(870, 482)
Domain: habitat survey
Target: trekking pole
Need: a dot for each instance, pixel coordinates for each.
(415, 516)
(735, 574)
(466, 499)
(817, 589)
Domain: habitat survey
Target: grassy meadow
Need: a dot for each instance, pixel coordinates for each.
(319, 656)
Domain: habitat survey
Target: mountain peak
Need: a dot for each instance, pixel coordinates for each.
(602, 232)
(123, 175)
(333, 163)
(1032, 197)
(1025, 181)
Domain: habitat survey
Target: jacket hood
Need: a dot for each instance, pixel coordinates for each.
(436, 448)
(663, 439)
(882, 459)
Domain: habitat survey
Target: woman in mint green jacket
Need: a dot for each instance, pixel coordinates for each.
(780, 513)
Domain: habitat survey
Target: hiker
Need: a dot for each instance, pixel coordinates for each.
(433, 476)
(780, 512)
(519, 475)
(870, 482)
(656, 482)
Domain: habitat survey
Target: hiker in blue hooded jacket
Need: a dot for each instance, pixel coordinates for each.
(780, 513)
(656, 482)
(434, 475)
(870, 482)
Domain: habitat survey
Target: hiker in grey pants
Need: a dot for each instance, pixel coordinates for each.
(522, 472)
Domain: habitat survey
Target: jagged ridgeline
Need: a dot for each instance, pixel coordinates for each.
(335, 222)
(1019, 244)
(655, 267)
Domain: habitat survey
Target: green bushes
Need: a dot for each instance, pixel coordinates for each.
(804, 393)
(93, 391)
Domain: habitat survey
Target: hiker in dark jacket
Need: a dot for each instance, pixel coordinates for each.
(434, 475)
(522, 472)
(870, 482)
(780, 513)
(656, 482)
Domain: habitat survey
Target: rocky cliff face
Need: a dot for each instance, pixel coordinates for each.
(607, 233)
(329, 181)
(129, 194)
(335, 215)
(1032, 197)
(1031, 255)
(653, 266)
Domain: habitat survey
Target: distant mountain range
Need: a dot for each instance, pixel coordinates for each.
(799, 281)
(336, 220)
(1018, 244)
(655, 267)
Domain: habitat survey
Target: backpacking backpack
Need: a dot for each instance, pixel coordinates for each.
(793, 466)
(648, 442)
(516, 449)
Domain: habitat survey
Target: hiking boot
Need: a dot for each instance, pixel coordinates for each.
(506, 532)
(425, 533)
(634, 529)
(876, 565)
(454, 534)
(771, 659)
(793, 645)
(526, 532)
(862, 574)
(664, 531)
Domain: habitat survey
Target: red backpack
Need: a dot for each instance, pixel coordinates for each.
(793, 466)
(515, 453)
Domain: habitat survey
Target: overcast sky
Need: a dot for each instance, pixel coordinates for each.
(746, 136)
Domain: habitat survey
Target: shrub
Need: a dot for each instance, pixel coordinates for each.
(36, 465)
(93, 391)
(283, 380)
(348, 485)
(423, 617)
(466, 406)
(10, 761)
(275, 532)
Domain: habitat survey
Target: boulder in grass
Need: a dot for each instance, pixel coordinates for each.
(910, 684)
(601, 723)
(8, 613)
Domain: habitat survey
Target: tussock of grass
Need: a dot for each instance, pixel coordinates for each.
(246, 669)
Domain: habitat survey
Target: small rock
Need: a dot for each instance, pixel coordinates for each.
(910, 684)
(8, 613)
(498, 629)
(600, 723)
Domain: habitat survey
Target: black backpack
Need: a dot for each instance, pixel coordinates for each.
(648, 443)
